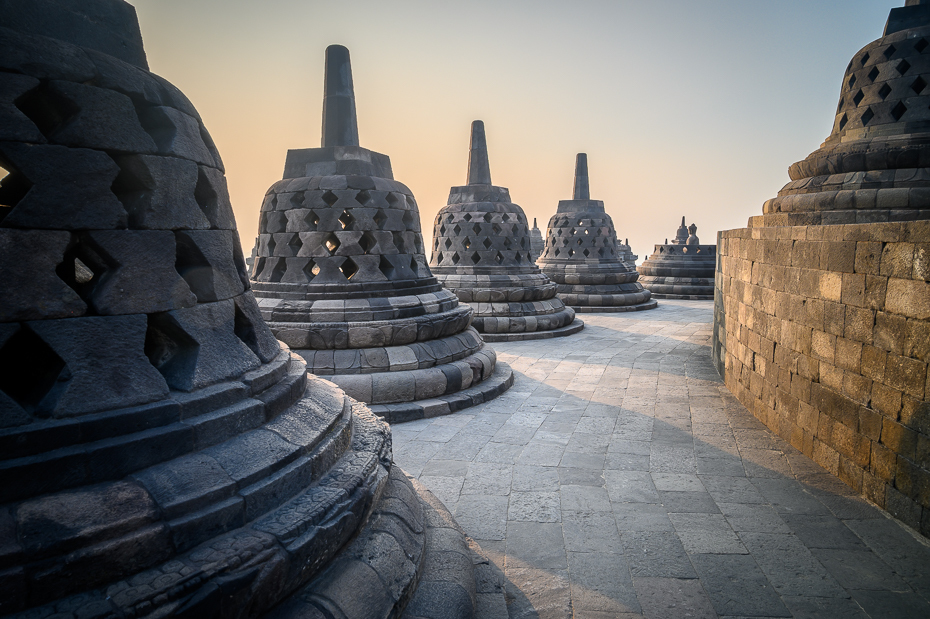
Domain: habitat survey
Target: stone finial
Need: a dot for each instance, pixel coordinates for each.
(582, 192)
(534, 222)
(479, 170)
(340, 125)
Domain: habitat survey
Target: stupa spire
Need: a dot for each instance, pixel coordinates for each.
(479, 170)
(582, 192)
(340, 125)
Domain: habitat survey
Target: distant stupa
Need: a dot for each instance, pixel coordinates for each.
(682, 269)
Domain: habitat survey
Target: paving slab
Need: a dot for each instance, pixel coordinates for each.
(619, 478)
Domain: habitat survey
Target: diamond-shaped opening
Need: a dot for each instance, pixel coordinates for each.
(331, 243)
(600, 252)
(244, 329)
(415, 266)
(348, 268)
(851, 82)
(586, 253)
(312, 220)
(448, 243)
(311, 270)
(487, 243)
(898, 111)
(418, 243)
(867, 115)
(499, 258)
(523, 242)
(586, 231)
(456, 258)
(903, 67)
(497, 229)
(571, 232)
(507, 242)
(475, 258)
(571, 252)
(918, 85)
(488, 217)
(579, 241)
(518, 257)
(367, 242)
(297, 199)
(47, 109)
(295, 244)
(439, 258)
(363, 197)
(457, 230)
(557, 252)
(13, 187)
(82, 268)
(387, 267)
(171, 350)
(30, 370)
(873, 74)
(884, 91)
(466, 242)
(921, 45)
(467, 217)
(476, 228)
(409, 221)
(889, 52)
(391, 199)
(257, 266)
(857, 98)
(442, 230)
(399, 242)
(347, 220)
(843, 121)
(193, 266)
(330, 198)
(379, 219)
(865, 59)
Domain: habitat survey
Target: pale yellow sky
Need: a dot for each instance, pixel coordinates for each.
(684, 108)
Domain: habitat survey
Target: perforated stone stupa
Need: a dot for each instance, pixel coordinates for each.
(482, 253)
(626, 255)
(537, 243)
(581, 255)
(161, 454)
(682, 269)
(341, 277)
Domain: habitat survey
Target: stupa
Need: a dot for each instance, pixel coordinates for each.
(482, 253)
(822, 305)
(682, 269)
(537, 243)
(581, 255)
(341, 277)
(626, 255)
(161, 454)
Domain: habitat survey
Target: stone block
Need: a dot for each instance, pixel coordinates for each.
(897, 260)
(899, 439)
(44, 58)
(252, 330)
(199, 346)
(14, 125)
(868, 257)
(906, 375)
(68, 188)
(176, 134)
(105, 364)
(159, 192)
(32, 288)
(889, 332)
(138, 275)
(909, 298)
(88, 117)
(206, 261)
(872, 363)
(212, 196)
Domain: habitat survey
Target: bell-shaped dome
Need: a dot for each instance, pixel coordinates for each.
(682, 269)
(581, 255)
(341, 276)
(874, 165)
(482, 252)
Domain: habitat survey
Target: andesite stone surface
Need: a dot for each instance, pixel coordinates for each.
(341, 277)
(682, 269)
(482, 252)
(537, 244)
(821, 311)
(581, 255)
(161, 453)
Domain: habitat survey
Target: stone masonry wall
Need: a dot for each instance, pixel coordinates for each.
(823, 333)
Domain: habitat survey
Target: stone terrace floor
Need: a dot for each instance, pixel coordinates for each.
(619, 478)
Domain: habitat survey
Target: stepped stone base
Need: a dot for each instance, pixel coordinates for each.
(686, 297)
(570, 329)
(603, 309)
(497, 383)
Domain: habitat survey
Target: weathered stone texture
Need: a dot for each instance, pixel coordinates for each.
(835, 361)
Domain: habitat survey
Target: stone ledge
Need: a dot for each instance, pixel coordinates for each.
(569, 329)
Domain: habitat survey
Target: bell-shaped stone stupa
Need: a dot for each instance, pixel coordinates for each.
(481, 252)
(682, 269)
(341, 277)
(581, 255)
(626, 255)
(537, 243)
(161, 454)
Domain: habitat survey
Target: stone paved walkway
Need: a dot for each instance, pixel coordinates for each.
(619, 478)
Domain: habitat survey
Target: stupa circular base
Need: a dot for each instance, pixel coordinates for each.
(500, 381)
(604, 309)
(685, 297)
(569, 329)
